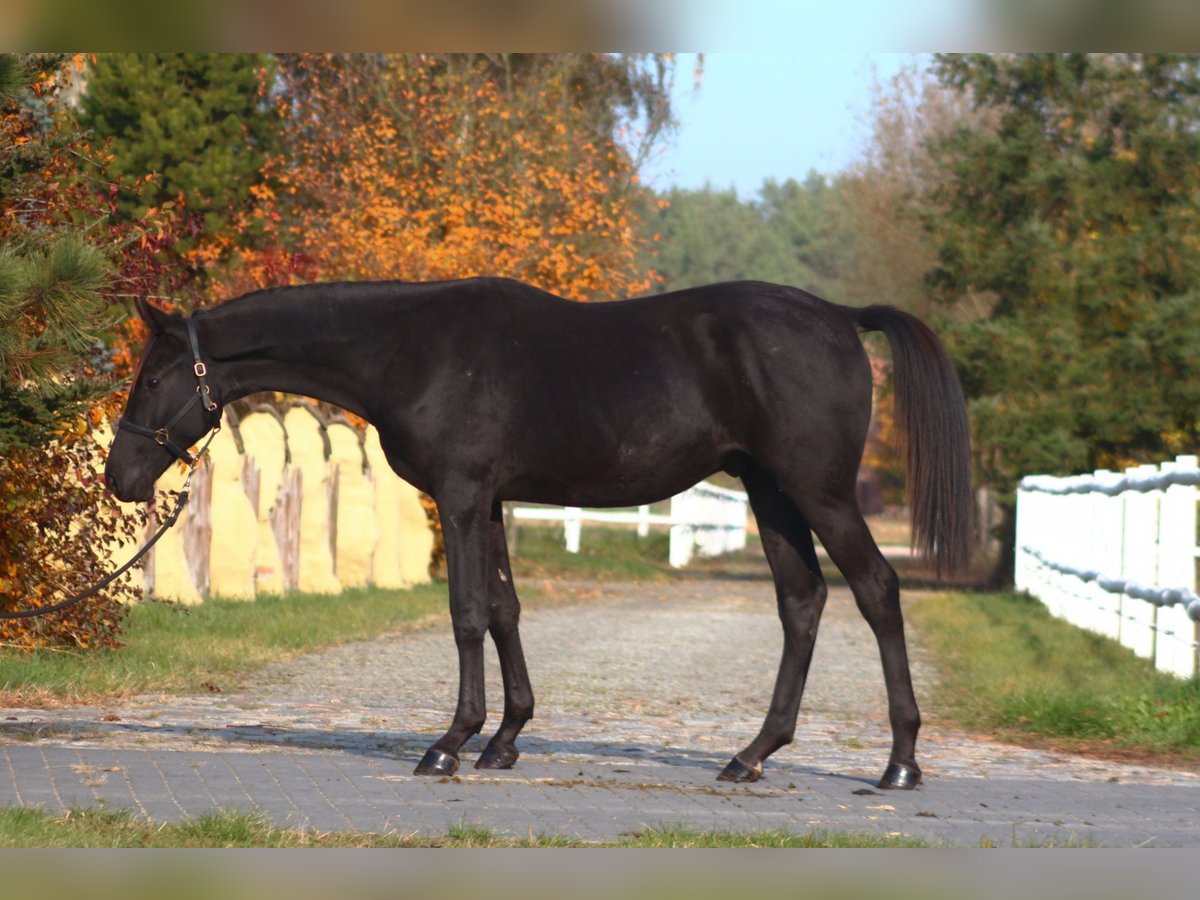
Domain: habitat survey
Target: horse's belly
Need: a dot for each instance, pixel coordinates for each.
(628, 474)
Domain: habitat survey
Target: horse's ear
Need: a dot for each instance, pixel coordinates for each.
(158, 320)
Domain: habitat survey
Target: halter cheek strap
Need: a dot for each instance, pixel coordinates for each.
(201, 371)
(203, 395)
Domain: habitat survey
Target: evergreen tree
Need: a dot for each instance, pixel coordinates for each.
(51, 280)
(194, 119)
(785, 236)
(1067, 243)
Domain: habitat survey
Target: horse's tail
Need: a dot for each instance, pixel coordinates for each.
(932, 416)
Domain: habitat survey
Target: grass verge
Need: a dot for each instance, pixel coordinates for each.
(98, 828)
(605, 554)
(210, 646)
(1007, 667)
(102, 828)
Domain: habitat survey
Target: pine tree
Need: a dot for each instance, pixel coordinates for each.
(196, 120)
(52, 309)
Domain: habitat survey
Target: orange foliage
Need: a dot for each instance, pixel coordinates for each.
(403, 170)
(882, 452)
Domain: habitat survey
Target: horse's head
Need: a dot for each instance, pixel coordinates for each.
(170, 407)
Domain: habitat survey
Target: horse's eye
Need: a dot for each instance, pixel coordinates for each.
(154, 383)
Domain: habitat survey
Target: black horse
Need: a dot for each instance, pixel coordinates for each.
(487, 389)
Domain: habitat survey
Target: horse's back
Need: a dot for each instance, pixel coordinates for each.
(603, 396)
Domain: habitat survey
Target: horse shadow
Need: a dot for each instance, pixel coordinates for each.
(405, 748)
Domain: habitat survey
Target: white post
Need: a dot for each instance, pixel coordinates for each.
(643, 528)
(1178, 635)
(572, 526)
(1023, 562)
(683, 535)
(1106, 552)
(1140, 565)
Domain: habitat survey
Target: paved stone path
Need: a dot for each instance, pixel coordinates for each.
(643, 693)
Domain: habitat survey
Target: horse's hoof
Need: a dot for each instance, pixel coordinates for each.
(496, 758)
(740, 772)
(899, 777)
(435, 762)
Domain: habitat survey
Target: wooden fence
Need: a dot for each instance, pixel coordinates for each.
(1116, 553)
(288, 502)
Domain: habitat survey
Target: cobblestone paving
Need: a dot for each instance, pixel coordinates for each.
(643, 694)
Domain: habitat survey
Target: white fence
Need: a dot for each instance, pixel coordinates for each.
(705, 518)
(1115, 553)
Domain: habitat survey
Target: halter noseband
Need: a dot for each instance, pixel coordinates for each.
(203, 396)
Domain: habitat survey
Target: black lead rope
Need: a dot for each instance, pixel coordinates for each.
(180, 503)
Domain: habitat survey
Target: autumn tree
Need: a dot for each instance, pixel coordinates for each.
(63, 263)
(884, 198)
(422, 167)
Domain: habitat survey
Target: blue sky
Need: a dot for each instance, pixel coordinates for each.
(769, 115)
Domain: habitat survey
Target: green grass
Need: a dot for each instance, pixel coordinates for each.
(97, 828)
(605, 554)
(1009, 668)
(685, 838)
(102, 828)
(212, 645)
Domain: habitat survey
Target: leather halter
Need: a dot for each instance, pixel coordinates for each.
(203, 396)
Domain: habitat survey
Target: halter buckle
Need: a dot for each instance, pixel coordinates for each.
(200, 369)
(161, 437)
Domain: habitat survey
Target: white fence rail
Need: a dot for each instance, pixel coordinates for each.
(705, 518)
(1115, 553)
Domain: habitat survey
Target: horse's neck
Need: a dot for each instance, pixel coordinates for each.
(309, 347)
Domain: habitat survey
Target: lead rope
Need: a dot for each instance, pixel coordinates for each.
(180, 502)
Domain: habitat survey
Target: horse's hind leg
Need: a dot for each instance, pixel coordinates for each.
(504, 613)
(840, 526)
(800, 593)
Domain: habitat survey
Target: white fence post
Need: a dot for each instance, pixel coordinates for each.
(1178, 635)
(1109, 531)
(683, 533)
(1140, 565)
(643, 527)
(572, 527)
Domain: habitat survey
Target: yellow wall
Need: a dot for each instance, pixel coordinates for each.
(227, 545)
(357, 534)
(266, 448)
(234, 538)
(405, 539)
(308, 448)
(171, 576)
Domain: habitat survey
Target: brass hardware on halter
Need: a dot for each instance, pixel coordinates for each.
(203, 396)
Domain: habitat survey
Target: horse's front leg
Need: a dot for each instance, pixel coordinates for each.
(465, 526)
